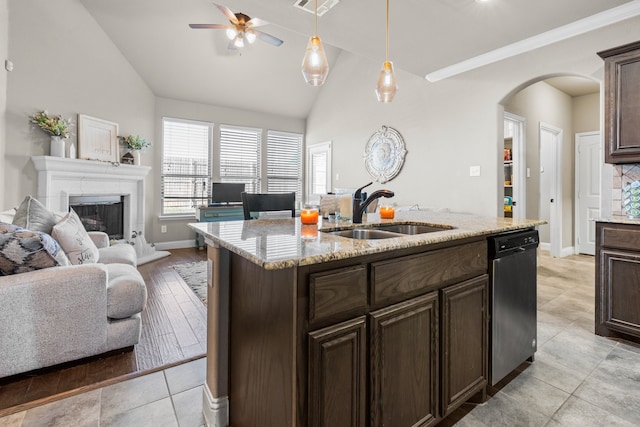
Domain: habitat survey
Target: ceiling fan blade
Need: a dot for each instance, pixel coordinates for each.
(268, 38)
(208, 26)
(227, 12)
(256, 22)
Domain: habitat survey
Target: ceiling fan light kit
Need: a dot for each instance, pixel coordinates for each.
(387, 85)
(315, 66)
(242, 29)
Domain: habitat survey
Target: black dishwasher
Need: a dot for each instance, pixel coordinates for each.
(513, 301)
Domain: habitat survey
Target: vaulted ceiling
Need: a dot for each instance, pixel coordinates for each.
(425, 36)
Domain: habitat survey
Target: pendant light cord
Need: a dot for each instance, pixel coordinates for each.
(387, 33)
(315, 25)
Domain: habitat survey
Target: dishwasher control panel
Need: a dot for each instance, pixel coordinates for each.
(510, 242)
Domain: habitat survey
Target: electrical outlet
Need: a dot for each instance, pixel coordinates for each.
(474, 170)
(163, 228)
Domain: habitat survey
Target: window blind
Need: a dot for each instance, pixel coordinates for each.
(284, 163)
(185, 165)
(240, 156)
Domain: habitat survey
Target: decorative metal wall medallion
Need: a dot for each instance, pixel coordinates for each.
(384, 154)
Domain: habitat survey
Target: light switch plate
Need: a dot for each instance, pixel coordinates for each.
(474, 170)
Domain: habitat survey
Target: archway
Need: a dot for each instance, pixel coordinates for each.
(570, 103)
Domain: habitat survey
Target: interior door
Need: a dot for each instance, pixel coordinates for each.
(588, 178)
(550, 207)
(318, 171)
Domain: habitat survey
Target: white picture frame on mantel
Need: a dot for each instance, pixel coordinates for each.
(97, 139)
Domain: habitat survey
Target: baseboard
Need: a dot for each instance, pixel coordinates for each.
(569, 250)
(176, 244)
(215, 410)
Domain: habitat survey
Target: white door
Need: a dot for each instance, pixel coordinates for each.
(588, 178)
(550, 204)
(318, 171)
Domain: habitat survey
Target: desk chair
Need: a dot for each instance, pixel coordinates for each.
(268, 202)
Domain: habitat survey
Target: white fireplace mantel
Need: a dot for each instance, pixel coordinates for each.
(59, 178)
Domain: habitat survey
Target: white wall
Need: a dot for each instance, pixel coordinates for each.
(177, 230)
(449, 125)
(4, 54)
(586, 113)
(66, 64)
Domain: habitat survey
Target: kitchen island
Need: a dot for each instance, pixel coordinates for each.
(310, 328)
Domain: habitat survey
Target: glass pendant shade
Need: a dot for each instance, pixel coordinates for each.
(315, 66)
(387, 85)
(250, 36)
(239, 41)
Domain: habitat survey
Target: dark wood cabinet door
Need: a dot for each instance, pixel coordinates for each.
(464, 330)
(404, 363)
(619, 292)
(337, 375)
(622, 103)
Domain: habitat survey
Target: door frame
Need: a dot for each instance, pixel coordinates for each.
(519, 164)
(311, 149)
(555, 213)
(576, 200)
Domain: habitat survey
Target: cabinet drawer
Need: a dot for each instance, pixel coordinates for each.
(393, 280)
(620, 236)
(336, 292)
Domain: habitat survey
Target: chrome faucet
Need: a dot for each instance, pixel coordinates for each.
(359, 208)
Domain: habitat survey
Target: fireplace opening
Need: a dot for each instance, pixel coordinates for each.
(100, 213)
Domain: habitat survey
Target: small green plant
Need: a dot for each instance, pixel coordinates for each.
(134, 142)
(53, 125)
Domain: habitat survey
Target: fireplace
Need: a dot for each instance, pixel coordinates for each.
(60, 180)
(100, 213)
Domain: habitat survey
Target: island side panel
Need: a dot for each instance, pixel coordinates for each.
(262, 389)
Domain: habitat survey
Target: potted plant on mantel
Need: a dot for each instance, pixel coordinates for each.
(135, 144)
(58, 128)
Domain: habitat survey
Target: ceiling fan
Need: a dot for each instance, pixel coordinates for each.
(242, 29)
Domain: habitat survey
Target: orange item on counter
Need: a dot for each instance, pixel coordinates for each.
(387, 212)
(309, 216)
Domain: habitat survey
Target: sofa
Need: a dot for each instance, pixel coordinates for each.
(68, 311)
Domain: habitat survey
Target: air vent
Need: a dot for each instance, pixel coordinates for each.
(323, 5)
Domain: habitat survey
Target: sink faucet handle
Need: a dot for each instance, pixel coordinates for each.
(359, 190)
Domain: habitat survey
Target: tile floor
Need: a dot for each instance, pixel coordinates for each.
(577, 379)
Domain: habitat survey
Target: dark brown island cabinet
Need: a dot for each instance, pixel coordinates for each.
(618, 280)
(622, 103)
(398, 338)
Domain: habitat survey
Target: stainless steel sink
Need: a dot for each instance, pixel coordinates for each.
(365, 233)
(388, 231)
(412, 229)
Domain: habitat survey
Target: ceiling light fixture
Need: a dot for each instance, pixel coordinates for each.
(315, 66)
(387, 85)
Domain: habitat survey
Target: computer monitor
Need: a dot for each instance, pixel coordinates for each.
(226, 193)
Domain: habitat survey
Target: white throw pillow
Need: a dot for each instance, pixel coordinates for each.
(74, 240)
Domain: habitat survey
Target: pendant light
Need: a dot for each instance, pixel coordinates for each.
(315, 66)
(387, 85)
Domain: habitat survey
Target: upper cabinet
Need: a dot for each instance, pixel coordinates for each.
(622, 103)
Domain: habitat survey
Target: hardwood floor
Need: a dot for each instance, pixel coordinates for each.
(173, 332)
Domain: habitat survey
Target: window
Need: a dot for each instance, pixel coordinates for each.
(185, 165)
(240, 156)
(284, 163)
(318, 171)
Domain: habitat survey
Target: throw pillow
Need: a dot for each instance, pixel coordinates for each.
(25, 250)
(34, 216)
(75, 240)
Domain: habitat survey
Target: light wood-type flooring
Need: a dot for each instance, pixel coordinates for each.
(173, 332)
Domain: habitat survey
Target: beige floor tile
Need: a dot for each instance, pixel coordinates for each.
(82, 410)
(186, 376)
(133, 393)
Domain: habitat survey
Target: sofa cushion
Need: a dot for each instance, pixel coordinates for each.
(34, 216)
(25, 250)
(120, 253)
(74, 240)
(126, 291)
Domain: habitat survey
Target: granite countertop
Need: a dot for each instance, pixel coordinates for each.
(282, 243)
(620, 219)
